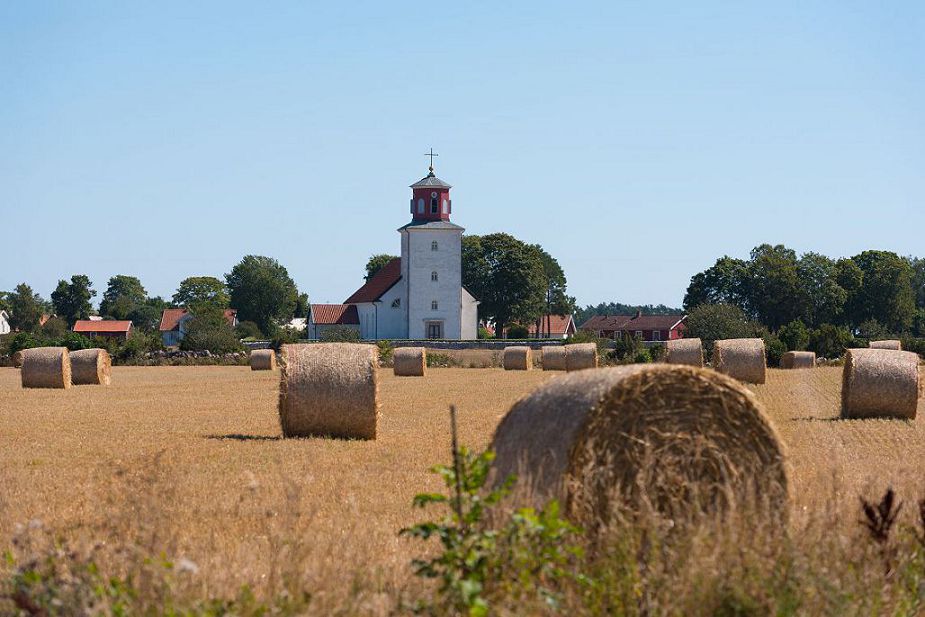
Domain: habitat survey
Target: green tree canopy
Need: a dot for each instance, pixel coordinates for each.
(72, 299)
(725, 282)
(558, 302)
(206, 290)
(25, 308)
(376, 263)
(886, 292)
(208, 330)
(507, 277)
(302, 306)
(262, 291)
(714, 322)
(123, 294)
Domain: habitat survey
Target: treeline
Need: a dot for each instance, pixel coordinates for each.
(809, 301)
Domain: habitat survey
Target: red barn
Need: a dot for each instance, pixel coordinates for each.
(650, 328)
(103, 328)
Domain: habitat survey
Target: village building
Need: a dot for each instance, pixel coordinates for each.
(174, 323)
(103, 328)
(4, 322)
(649, 328)
(553, 326)
(420, 294)
(325, 317)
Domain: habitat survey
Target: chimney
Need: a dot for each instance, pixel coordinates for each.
(638, 314)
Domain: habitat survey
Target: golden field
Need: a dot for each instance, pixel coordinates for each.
(189, 461)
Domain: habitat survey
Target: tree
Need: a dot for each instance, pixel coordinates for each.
(26, 308)
(262, 291)
(72, 300)
(725, 282)
(208, 330)
(123, 293)
(302, 306)
(886, 291)
(795, 335)
(830, 341)
(714, 322)
(376, 263)
(197, 290)
(774, 285)
(558, 302)
(147, 316)
(507, 277)
(821, 298)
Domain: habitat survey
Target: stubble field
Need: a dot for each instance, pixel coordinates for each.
(188, 461)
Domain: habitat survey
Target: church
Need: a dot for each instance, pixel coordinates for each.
(420, 294)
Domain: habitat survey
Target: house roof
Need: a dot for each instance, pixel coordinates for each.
(430, 180)
(375, 287)
(88, 325)
(335, 314)
(558, 324)
(170, 318)
(633, 322)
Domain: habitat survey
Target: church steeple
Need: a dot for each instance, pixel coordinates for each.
(430, 199)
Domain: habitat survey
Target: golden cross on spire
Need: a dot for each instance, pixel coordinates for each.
(431, 154)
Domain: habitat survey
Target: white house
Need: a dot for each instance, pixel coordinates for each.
(4, 323)
(420, 295)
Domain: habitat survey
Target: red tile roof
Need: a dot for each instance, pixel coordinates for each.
(170, 318)
(557, 325)
(335, 314)
(633, 323)
(375, 287)
(87, 325)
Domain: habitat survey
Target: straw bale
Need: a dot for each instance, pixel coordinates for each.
(518, 359)
(579, 356)
(741, 358)
(687, 351)
(679, 439)
(554, 358)
(880, 383)
(410, 361)
(91, 367)
(887, 344)
(263, 360)
(798, 359)
(329, 389)
(46, 367)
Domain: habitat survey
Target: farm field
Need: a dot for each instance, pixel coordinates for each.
(188, 460)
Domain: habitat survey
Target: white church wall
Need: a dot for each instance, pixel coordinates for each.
(422, 262)
(393, 320)
(470, 317)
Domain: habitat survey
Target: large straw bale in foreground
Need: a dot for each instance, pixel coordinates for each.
(880, 383)
(91, 367)
(518, 359)
(410, 361)
(329, 389)
(681, 439)
(741, 358)
(46, 367)
(687, 351)
(798, 359)
(17, 359)
(554, 358)
(580, 356)
(263, 360)
(888, 344)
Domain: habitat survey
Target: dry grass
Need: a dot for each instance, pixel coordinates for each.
(189, 460)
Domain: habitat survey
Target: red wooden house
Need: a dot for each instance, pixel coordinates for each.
(650, 328)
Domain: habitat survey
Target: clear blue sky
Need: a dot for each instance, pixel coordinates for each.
(636, 142)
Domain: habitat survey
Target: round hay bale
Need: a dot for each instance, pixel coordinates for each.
(554, 358)
(679, 439)
(741, 358)
(880, 383)
(579, 356)
(410, 361)
(329, 389)
(17, 359)
(687, 351)
(91, 367)
(46, 367)
(798, 359)
(263, 360)
(518, 359)
(888, 344)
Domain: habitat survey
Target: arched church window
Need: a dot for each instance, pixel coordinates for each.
(433, 245)
(433, 305)
(433, 275)
(420, 205)
(434, 203)
(445, 208)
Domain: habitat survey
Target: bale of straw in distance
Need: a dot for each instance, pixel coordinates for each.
(410, 361)
(91, 367)
(46, 367)
(741, 358)
(554, 358)
(679, 439)
(17, 359)
(687, 351)
(263, 360)
(880, 383)
(798, 359)
(329, 389)
(888, 344)
(579, 356)
(518, 359)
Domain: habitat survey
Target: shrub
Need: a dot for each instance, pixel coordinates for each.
(484, 333)
(829, 341)
(340, 334)
(385, 352)
(774, 348)
(208, 330)
(795, 335)
(518, 331)
(714, 322)
(248, 329)
(583, 336)
(657, 352)
(641, 356)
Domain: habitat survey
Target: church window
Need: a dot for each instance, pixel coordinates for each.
(433, 305)
(396, 303)
(434, 203)
(421, 205)
(433, 276)
(445, 209)
(433, 245)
